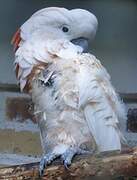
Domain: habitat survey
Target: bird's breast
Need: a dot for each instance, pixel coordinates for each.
(66, 82)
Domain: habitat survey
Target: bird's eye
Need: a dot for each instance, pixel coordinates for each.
(65, 29)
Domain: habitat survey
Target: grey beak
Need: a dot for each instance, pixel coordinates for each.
(83, 42)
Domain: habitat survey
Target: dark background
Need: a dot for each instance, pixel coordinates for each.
(115, 43)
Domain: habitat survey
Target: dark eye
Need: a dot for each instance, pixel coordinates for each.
(65, 29)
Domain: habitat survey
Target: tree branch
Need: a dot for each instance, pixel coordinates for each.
(82, 168)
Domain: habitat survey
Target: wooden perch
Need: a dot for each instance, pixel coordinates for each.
(82, 168)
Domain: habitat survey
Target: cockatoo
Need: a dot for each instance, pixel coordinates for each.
(76, 105)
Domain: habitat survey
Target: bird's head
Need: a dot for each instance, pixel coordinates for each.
(77, 25)
(50, 33)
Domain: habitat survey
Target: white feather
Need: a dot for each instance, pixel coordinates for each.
(82, 83)
(63, 48)
(101, 105)
(106, 136)
(20, 71)
(26, 72)
(22, 84)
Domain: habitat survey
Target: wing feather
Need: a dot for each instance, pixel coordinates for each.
(101, 105)
(16, 40)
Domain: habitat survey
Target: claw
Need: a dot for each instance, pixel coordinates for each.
(67, 157)
(70, 153)
(46, 160)
(41, 167)
(66, 164)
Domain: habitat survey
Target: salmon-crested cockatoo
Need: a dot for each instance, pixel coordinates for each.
(76, 106)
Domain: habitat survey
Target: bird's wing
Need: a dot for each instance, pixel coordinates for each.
(102, 107)
(31, 57)
(35, 53)
(16, 40)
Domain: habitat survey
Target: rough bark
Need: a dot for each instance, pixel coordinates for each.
(83, 168)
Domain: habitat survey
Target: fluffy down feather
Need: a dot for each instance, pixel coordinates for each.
(75, 102)
(89, 92)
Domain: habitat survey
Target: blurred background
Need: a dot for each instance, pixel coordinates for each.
(115, 45)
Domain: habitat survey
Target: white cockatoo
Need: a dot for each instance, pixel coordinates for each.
(76, 106)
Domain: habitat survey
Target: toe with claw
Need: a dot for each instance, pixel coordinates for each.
(46, 160)
(66, 157)
(70, 153)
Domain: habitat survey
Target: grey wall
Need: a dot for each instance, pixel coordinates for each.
(115, 43)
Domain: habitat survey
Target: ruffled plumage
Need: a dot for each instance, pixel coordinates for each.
(73, 96)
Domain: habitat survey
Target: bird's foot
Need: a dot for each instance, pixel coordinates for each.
(66, 157)
(46, 160)
(70, 153)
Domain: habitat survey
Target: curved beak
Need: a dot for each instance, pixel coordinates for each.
(82, 42)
